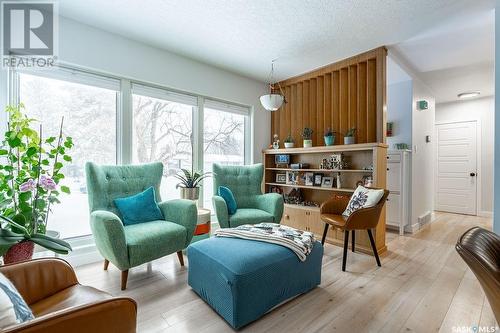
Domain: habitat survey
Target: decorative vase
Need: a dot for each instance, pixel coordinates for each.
(308, 143)
(329, 140)
(19, 252)
(349, 140)
(289, 144)
(190, 193)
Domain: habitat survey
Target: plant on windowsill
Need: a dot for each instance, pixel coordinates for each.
(349, 137)
(289, 142)
(30, 173)
(190, 183)
(307, 137)
(329, 137)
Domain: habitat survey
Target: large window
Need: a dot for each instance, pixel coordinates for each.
(90, 119)
(119, 121)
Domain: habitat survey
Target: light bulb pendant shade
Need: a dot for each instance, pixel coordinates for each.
(272, 102)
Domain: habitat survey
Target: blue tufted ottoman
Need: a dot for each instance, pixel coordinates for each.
(243, 279)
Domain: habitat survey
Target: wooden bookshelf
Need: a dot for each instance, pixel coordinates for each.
(367, 159)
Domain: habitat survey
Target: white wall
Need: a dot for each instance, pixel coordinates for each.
(496, 208)
(399, 111)
(481, 110)
(95, 49)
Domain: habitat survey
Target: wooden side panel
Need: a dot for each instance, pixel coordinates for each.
(305, 114)
(362, 103)
(295, 131)
(344, 101)
(311, 110)
(336, 105)
(371, 114)
(319, 111)
(327, 105)
(353, 96)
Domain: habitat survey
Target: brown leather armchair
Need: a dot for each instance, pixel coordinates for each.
(361, 219)
(480, 249)
(60, 304)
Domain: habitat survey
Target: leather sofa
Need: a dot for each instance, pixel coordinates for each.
(480, 249)
(61, 304)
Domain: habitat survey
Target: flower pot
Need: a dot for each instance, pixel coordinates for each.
(190, 193)
(289, 144)
(349, 140)
(308, 143)
(329, 140)
(19, 252)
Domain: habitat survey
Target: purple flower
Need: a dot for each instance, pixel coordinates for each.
(47, 183)
(27, 186)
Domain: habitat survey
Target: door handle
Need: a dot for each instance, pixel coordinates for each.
(472, 174)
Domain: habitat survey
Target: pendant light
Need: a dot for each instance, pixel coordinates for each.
(275, 99)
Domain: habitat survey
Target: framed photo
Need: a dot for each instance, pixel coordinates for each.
(327, 182)
(282, 159)
(309, 179)
(292, 178)
(318, 177)
(336, 161)
(281, 178)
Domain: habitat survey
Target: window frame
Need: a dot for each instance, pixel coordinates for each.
(124, 115)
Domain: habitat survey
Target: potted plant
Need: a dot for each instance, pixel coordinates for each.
(349, 136)
(289, 142)
(30, 173)
(307, 136)
(190, 183)
(329, 137)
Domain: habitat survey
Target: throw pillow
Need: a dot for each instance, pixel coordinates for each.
(7, 314)
(138, 208)
(228, 197)
(21, 309)
(363, 198)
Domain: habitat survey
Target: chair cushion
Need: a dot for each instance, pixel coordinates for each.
(249, 216)
(228, 197)
(139, 208)
(70, 297)
(335, 220)
(363, 198)
(152, 240)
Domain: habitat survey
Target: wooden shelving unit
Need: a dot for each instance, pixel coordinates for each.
(371, 156)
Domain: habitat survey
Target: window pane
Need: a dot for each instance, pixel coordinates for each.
(163, 132)
(224, 143)
(90, 119)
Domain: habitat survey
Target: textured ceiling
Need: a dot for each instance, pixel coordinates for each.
(244, 36)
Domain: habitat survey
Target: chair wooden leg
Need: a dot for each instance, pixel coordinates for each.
(106, 264)
(181, 257)
(374, 248)
(124, 279)
(325, 231)
(353, 234)
(346, 245)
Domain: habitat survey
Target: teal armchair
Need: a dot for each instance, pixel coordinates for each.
(133, 245)
(253, 207)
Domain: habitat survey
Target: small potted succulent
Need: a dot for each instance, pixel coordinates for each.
(349, 137)
(307, 136)
(329, 137)
(190, 183)
(289, 142)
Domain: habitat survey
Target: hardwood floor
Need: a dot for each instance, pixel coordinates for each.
(422, 286)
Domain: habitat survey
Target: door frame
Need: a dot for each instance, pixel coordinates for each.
(478, 160)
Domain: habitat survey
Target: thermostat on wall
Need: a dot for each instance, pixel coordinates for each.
(422, 105)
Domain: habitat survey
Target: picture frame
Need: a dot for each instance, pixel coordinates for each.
(281, 178)
(292, 178)
(309, 179)
(327, 182)
(282, 159)
(318, 177)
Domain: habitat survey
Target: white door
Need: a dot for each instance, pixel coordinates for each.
(456, 172)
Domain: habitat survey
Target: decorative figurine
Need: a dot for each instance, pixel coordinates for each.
(276, 141)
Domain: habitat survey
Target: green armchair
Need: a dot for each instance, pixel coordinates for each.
(133, 245)
(253, 206)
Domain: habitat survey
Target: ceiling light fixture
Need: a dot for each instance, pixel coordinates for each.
(276, 98)
(468, 94)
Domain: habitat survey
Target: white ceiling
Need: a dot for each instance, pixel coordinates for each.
(244, 36)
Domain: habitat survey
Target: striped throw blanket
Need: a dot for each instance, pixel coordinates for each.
(300, 242)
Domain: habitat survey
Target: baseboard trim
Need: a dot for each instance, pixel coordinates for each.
(485, 213)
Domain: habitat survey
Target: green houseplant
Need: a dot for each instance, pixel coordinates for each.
(190, 183)
(30, 175)
(289, 141)
(349, 137)
(329, 137)
(307, 137)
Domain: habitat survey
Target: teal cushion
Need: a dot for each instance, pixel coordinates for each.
(21, 309)
(249, 216)
(228, 197)
(139, 208)
(151, 240)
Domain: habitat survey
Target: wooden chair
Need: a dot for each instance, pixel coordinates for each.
(361, 219)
